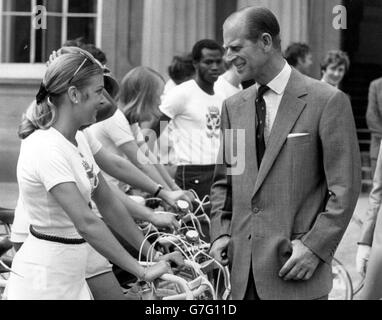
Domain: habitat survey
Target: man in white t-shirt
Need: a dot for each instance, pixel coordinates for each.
(180, 70)
(194, 109)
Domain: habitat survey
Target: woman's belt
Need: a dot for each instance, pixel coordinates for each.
(47, 237)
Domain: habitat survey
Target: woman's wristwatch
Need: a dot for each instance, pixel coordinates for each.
(160, 187)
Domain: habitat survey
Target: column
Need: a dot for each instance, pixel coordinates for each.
(322, 35)
(172, 27)
(115, 35)
(292, 16)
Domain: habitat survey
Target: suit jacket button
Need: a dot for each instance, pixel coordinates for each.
(256, 210)
(249, 237)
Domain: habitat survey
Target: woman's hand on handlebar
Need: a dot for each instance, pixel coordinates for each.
(174, 257)
(165, 220)
(155, 271)
(171, 197)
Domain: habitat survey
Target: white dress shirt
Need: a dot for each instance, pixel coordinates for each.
(273, 98)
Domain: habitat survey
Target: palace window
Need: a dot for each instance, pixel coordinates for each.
(31, 29)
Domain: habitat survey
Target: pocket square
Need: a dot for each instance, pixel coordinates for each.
(294, 135)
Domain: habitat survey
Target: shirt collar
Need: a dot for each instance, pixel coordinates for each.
(279, 83)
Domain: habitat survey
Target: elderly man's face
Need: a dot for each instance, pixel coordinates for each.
(247, 56)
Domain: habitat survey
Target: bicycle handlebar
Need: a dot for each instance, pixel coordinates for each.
(187, 293)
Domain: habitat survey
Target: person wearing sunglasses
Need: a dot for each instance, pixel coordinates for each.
(58, 179)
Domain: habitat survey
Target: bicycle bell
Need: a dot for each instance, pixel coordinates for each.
(183, 206)
(192, 236)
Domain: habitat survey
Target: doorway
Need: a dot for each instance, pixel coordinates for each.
(362, 41)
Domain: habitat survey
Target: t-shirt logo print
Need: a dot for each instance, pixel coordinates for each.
(93, 178)
(88, 169)
(213, 122)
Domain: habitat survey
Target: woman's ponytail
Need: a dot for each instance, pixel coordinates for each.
(68, 69)
(38, 116)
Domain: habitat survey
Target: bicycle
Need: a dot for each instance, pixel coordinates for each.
(343, 288)
(202, 278)
(173, 287)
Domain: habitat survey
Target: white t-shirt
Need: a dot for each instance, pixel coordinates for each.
(196, 123)
(20, 226)
(225, 88)
(47, 159)
(114, 132)
(170, 84)
(166, 151)
(94, 144)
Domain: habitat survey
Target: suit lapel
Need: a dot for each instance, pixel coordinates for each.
(289, 111)
(246, 115)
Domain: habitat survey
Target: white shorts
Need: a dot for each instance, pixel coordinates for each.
(48, 270)
(96, 264)
(18, 237)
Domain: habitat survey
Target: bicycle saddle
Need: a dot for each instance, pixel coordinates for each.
(7, 215)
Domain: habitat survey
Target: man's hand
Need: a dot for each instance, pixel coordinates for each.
(362, 258)
(165, 220)
(301, 264)
(218, 250)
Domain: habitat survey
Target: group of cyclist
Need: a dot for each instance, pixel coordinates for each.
(72, 219)
(68, 218)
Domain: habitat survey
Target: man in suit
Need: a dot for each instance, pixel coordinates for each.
(281, 220)
(374, 120)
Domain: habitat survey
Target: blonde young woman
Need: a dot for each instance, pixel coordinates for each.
(58, 178)
(121, 134)
(141, 92)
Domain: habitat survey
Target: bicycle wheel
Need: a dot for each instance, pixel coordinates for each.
(342, 283)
